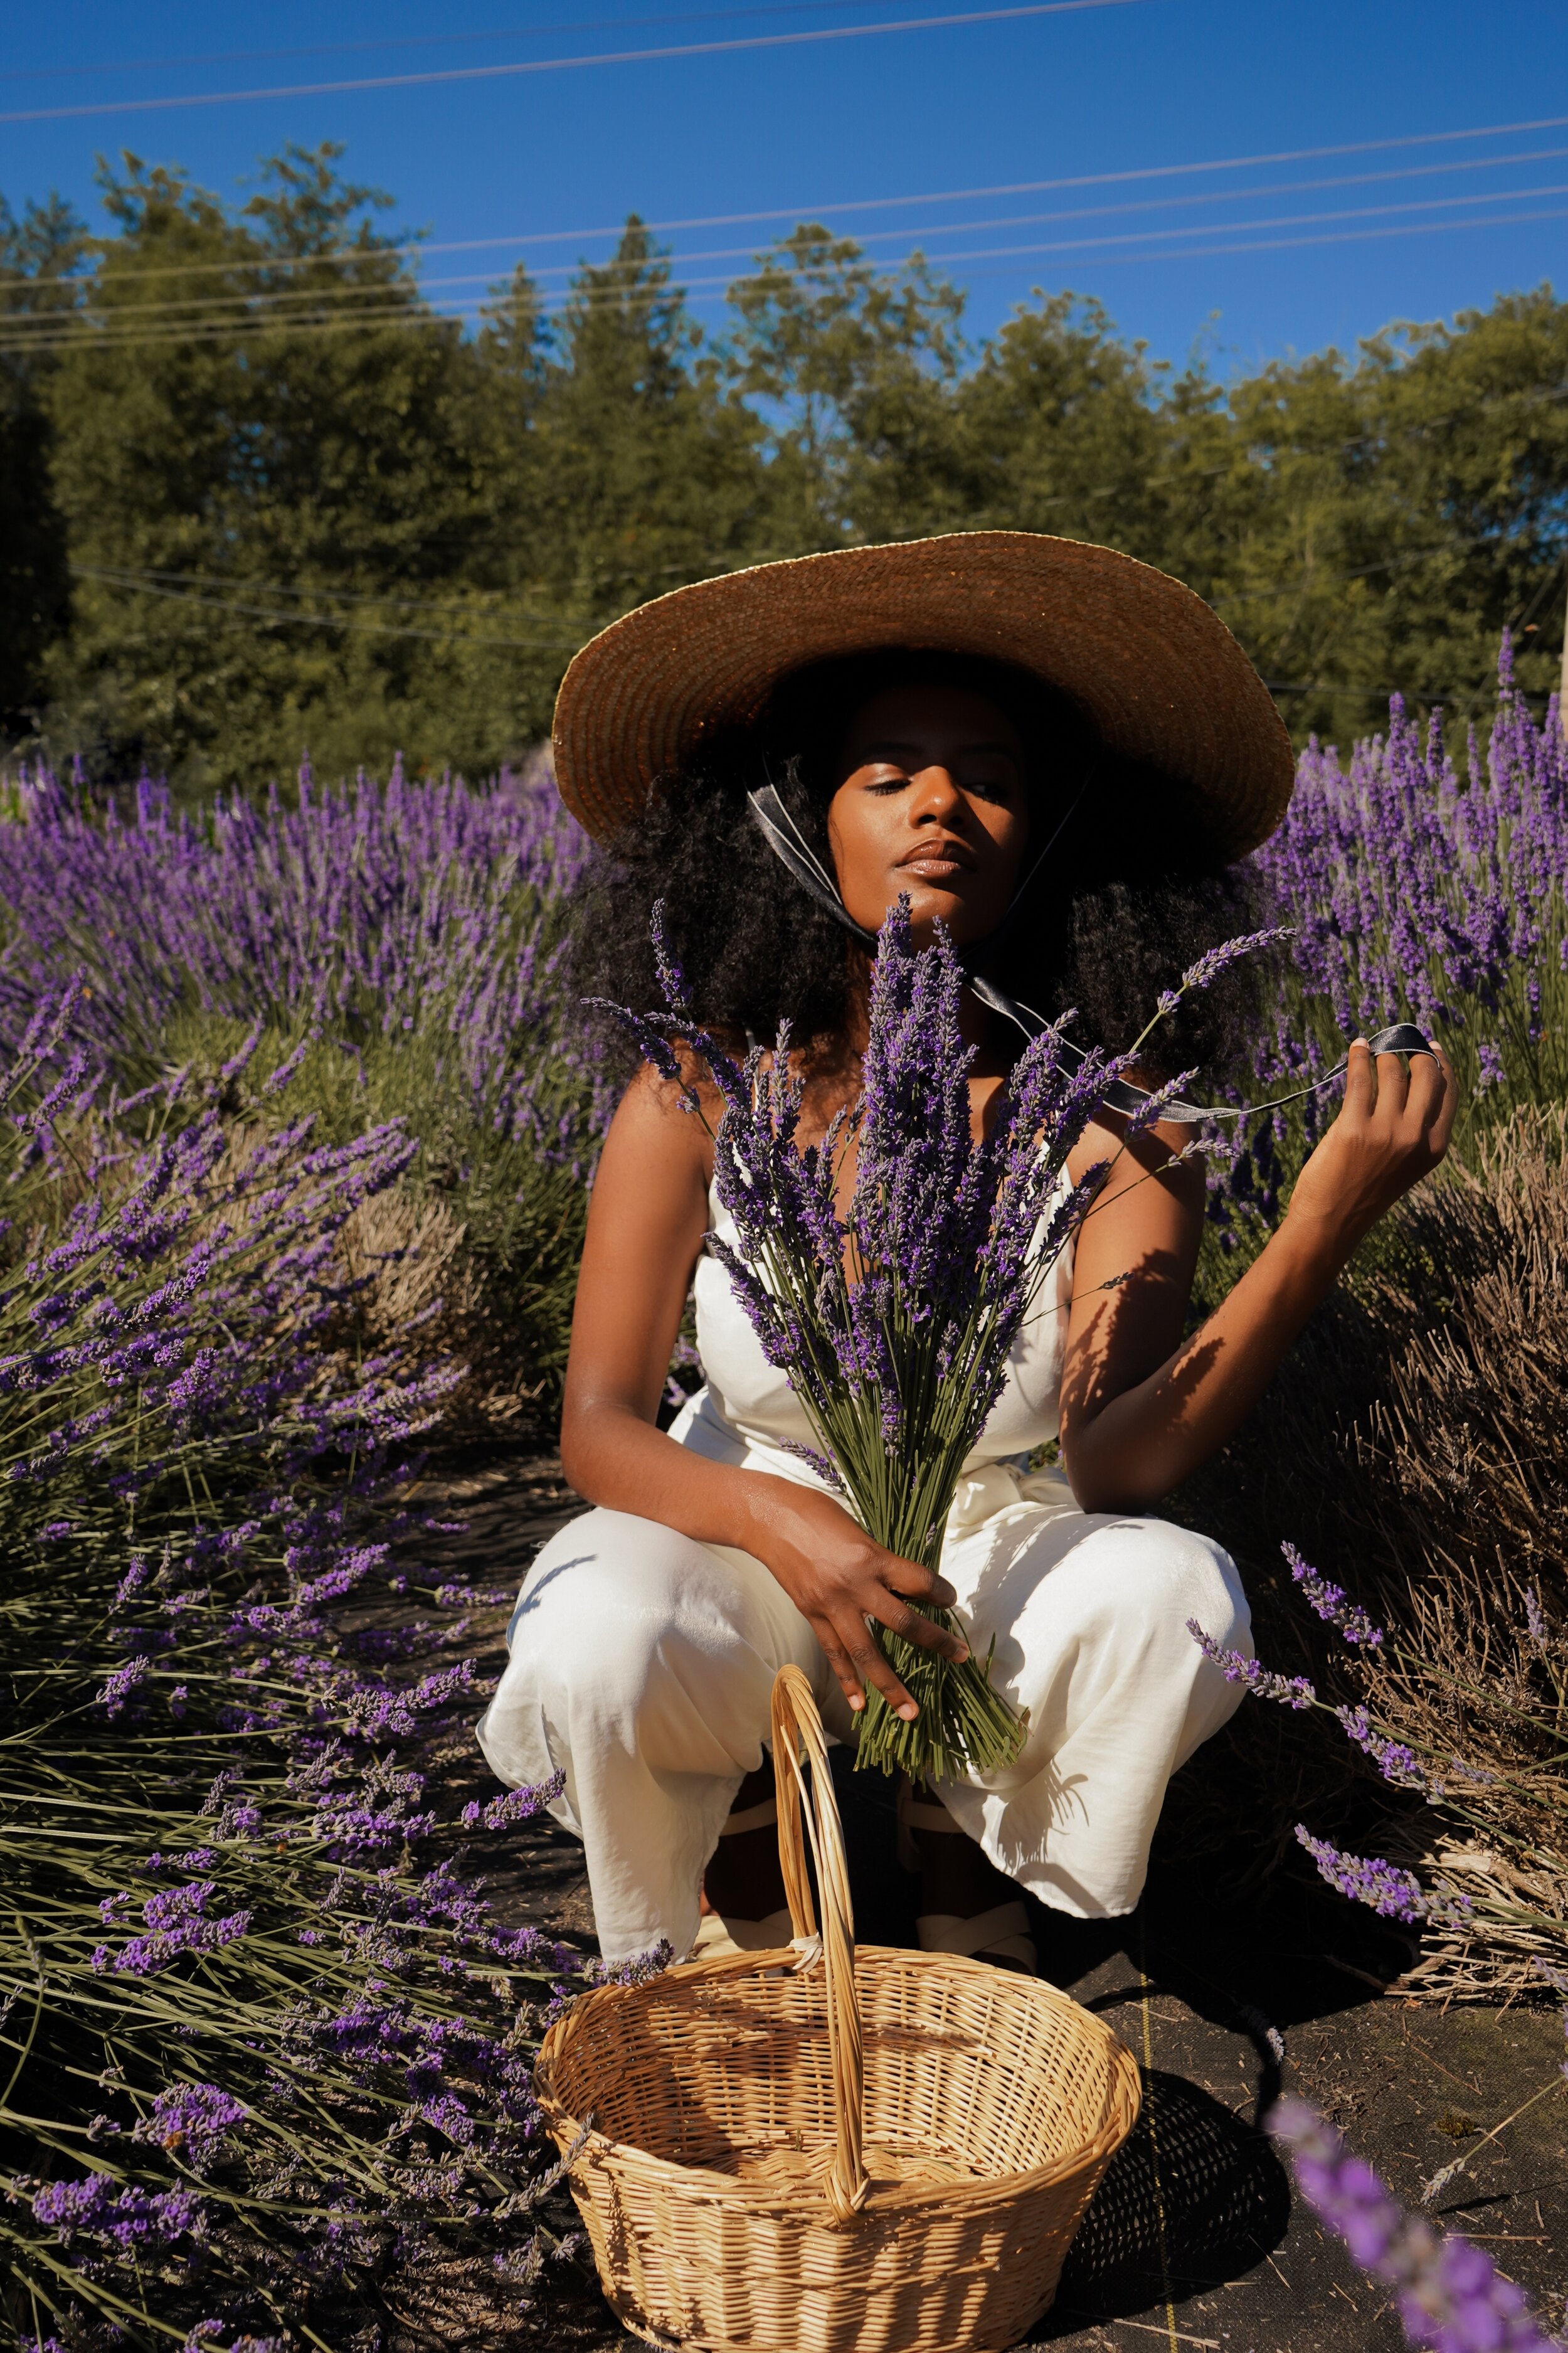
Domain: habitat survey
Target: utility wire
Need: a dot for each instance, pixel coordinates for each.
(414, 41)
(276, 300)
(247, 611)
(55, 329)
(806, 212)
(121, 576)
(19, 338)
(669, 51)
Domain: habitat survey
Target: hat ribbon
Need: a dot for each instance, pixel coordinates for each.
(790, 847)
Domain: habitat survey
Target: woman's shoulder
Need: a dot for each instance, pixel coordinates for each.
(672, 1119)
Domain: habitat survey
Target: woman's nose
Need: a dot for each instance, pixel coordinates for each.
(936, 798)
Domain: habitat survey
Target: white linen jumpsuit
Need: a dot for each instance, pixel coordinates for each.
(642, 1662)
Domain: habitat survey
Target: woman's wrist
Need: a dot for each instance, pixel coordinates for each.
(1317, 1246)
(760, 1498)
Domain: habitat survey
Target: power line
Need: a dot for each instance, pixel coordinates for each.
(276, 300)
(1287, 220)
(410, 41)
(802, 212)
(146, 587)
(566, 65)
(121, 576)
(1339, 237)
(48, 334)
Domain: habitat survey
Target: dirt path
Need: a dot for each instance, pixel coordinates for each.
(1193, 2241)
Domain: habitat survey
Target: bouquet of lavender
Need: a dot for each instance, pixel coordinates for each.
(894, 1321)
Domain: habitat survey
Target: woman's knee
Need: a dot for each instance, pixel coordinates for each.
(598, 1603)
(1162, 1575)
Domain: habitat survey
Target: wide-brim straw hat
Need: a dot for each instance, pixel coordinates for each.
(1154, 672)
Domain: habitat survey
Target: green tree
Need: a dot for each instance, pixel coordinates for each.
(258, 456)
(39, 291)
(646, 472)
(1415, 504)
(853, 368)
(256, 496)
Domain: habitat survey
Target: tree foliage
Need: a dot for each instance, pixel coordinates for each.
(256, 496)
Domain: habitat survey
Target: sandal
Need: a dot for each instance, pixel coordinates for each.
(1000, 1934)
(723, 1933)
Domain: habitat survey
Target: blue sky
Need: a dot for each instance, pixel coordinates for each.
(1250, 262)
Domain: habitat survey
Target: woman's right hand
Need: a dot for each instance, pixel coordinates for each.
(838, 1577)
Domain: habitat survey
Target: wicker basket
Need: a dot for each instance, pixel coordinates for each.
(820, 2150)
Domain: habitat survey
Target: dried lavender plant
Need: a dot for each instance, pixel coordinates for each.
(1416, 1442)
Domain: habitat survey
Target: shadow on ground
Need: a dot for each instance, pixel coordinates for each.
(1195, 2196)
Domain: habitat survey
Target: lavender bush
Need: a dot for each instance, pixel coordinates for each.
(398, 945)
(1508, 1903)
(264, 2046)
(1426, 893)
(1413, 1440)
(1420, 890)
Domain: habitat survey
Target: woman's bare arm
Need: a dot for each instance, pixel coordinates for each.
(646, 1223)
(1141, 1409)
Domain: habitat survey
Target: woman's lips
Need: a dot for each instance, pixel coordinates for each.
(933, 867)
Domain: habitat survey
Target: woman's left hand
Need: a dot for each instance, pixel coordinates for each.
(1392, 1130)
(1141, 1407)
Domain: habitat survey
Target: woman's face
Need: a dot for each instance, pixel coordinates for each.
(930, 799)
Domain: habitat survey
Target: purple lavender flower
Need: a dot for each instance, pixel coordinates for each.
(1450, 2296)
(133, 2221)
(190, 2121)
(826, 1468)
(894, 1323)
(428, 900)
(1331, 1603)
(1290, 1691)
(514, 1806)
(1394, 1894)
(1534, 1620)
(177, 1922)
(1396, 1761)
(671, 978)
(1420, 890)
(450, 2115)
(114, 1693)
(1218, 961)
(204, 2339)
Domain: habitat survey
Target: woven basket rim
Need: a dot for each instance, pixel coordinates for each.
(754, 2193)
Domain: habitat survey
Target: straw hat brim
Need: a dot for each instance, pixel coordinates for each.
(1151, 669)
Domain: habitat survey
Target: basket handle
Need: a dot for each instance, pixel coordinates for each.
(795, 1722)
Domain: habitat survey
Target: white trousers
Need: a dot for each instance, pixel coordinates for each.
(642, 1666)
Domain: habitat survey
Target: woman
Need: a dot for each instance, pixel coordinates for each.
(1057, 753)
